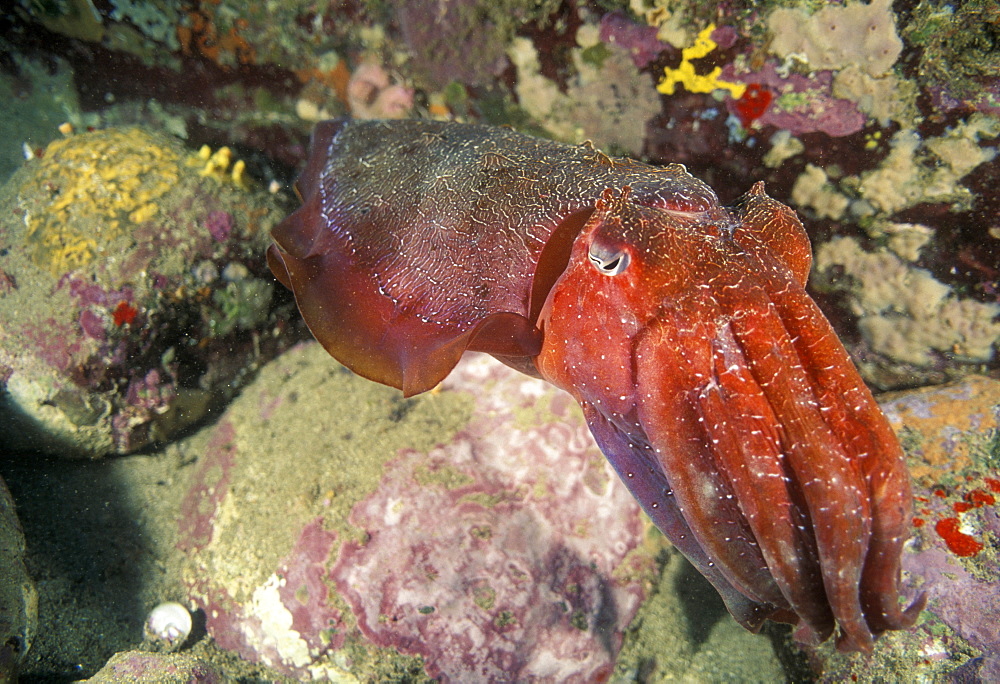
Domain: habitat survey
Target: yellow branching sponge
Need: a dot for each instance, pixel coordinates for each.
(697, 83)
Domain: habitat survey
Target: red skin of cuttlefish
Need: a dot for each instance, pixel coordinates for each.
(708, 376)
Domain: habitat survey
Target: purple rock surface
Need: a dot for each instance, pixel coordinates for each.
(507, 550)
(521, 550)
(138, 666)
(801, 104)
(641, 42)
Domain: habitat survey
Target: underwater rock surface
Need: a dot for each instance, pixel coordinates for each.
(495, 542)
(327, 527)
(951, 434)
(478, 528)
(158, 668)
(132, 292)
(18, 596)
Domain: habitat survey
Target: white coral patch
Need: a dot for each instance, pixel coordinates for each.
(275, 626)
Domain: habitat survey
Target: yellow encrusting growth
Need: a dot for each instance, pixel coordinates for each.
(697, 83)
(217, 165)
(99, 185)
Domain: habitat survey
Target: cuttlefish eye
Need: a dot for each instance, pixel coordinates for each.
(608, 260)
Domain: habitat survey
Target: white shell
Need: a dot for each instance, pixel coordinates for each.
(170, 623)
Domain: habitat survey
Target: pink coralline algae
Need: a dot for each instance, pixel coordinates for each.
(210, 486)
(151, 392)
(101, 308)
(92, 325)
(801, 104)
(641, 42)
(508, 552)
(298, 594)
(219, 225)
(305, 575)
(467, 576)
(511, 540)
(54, 341)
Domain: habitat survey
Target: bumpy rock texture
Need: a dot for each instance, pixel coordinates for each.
(131, 291)
(327, 527)
(497, 543)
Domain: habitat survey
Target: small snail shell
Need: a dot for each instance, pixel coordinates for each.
(170, 624)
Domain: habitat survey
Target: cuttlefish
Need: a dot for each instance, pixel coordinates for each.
(708, 376)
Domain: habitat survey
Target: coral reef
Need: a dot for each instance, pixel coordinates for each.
(133, 298)
(909, 320)
(608, 101)
(641, 41)
(694, 82)
(919, 170)
(835, 37)
(800, 104)
(958, 55)
(453, 40)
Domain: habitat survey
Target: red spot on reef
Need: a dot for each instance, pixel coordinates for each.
(962, 506)
(752, 105)
(124, 313)
(993, 484)
(979, 498)
(940, 493)
(960, 543)
(918, 522)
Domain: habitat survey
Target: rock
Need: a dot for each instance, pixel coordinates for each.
(18, 598)
(133, 294)
(329, 529)
(951, 434)
(140, 667)
(334, 529)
